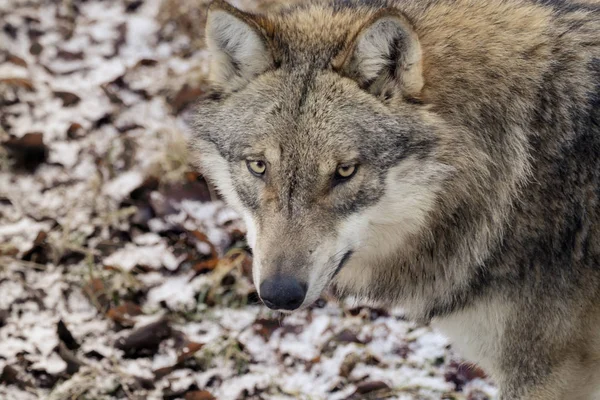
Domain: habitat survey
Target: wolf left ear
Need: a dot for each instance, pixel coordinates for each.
(237, 44)
(384, 55)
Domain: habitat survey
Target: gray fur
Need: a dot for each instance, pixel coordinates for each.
(477, 197)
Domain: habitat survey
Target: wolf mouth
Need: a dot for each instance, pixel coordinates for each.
(343, 262)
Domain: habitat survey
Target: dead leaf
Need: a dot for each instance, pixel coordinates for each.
(112, 96)
(40, 252)
(69, 99)
(347, 336)
(350, 361)
(190, 190)
(18, 82)
(75, 131)
(10, 30)
(128, 127)
(4, 315)
(69, 55)
(29, 151)
(199, 395)
(186, 351)
(146, 62)
(65, 336)
(265, 327)
(10, 376)
(123, 313)
(189, 350)
(16, 60)
(164, 371)
(371, 386)
(144, 341)
(206, 266)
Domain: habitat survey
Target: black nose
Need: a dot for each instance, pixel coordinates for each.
(282, 293)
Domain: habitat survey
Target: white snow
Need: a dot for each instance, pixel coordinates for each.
(153, 256)
(124, 184)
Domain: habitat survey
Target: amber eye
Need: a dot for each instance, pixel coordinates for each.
(344, 172)
(256, 167)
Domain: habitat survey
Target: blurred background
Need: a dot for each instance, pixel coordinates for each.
(122, 274)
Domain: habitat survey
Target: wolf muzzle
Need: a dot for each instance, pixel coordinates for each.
(282, 292)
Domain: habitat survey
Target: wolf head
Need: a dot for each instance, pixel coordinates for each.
(318, 136)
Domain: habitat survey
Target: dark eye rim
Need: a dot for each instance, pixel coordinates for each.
(257, 174)
(338, 179)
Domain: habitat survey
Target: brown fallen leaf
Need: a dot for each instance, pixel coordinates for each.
(188, 190)
(69, 55)
(65, 336)
(128, 127)
(350, 361)
(112, 96)
(146, 62)
(347, 336)
(29, 151)
(16, 60)
(188, 350)
(133, 5)
(4, 315)
(371, 386)
(9, 375)
(75, 131)
(122, 314)
(206, 266)
(199, 395)
(18, 82)
(144, 341)
(69, 99)
(162, 372)
(265, 327)
(41, 251)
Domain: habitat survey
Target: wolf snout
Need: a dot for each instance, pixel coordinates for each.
(282, 292)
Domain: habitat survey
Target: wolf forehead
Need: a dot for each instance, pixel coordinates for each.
(300, 111)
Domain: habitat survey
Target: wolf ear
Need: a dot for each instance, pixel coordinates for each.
(384, 55)
(237, 45)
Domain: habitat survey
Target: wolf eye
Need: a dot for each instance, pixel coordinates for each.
(256, 167)
(345, 172)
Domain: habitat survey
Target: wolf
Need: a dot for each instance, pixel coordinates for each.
(438, 155)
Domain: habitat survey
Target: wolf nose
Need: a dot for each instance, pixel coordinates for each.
(282, 293)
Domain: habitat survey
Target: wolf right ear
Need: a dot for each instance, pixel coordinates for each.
(384, 55)
(237, 45)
